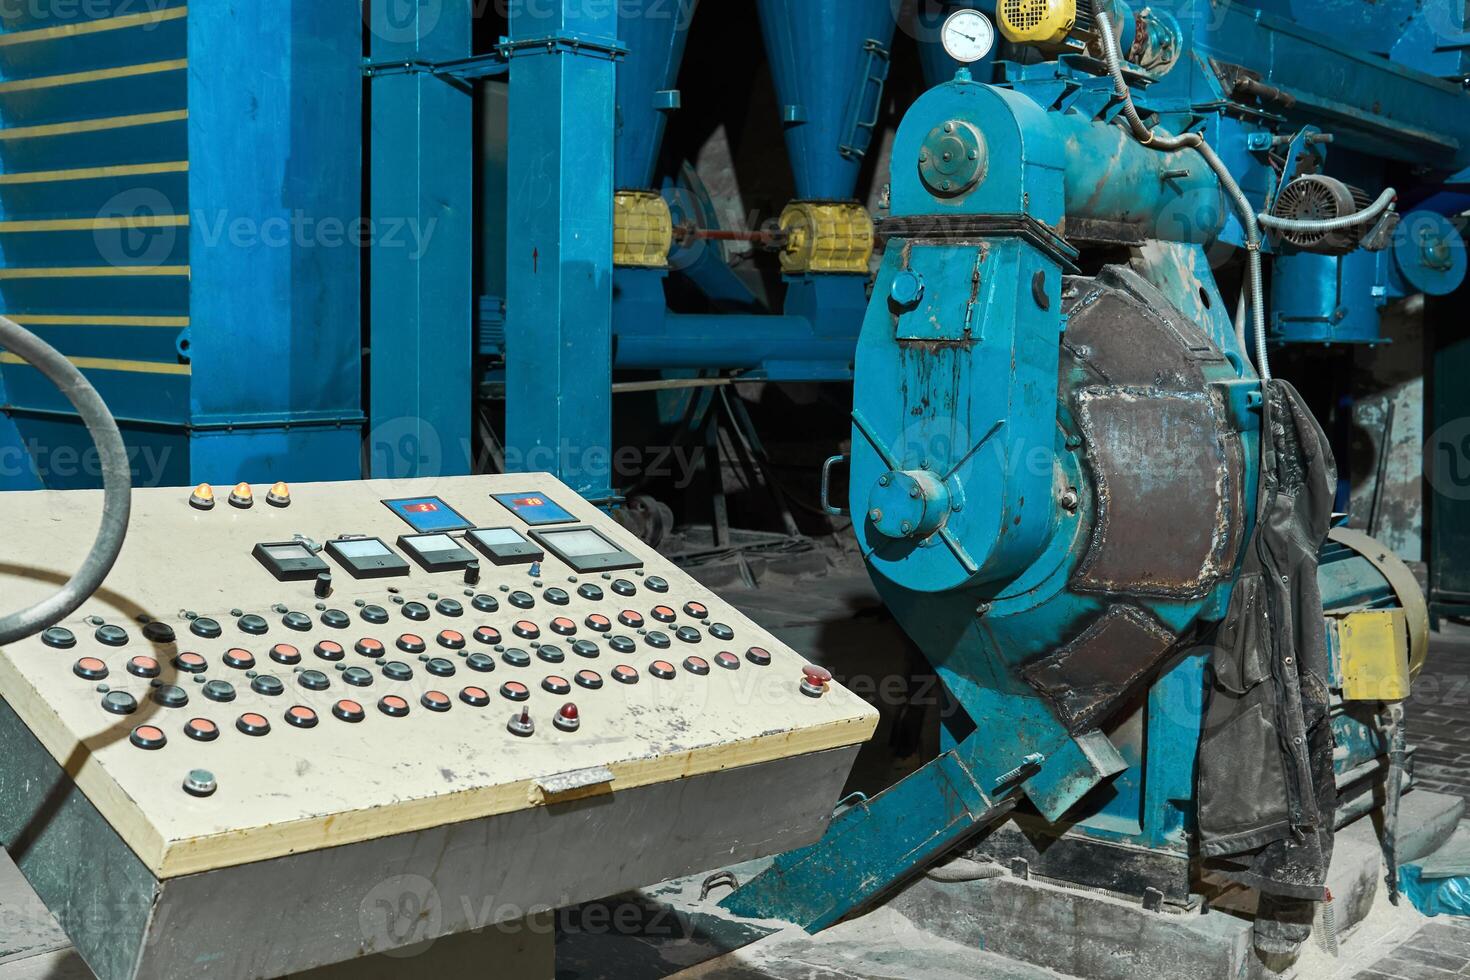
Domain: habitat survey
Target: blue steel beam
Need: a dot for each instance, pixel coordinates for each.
(422, 207)
(559, 289)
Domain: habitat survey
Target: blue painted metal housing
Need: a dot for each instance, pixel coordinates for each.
(167, 226)
(648, 79)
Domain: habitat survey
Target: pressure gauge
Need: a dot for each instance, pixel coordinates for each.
(968, 36)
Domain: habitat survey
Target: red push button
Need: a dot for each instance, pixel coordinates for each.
(598, 622)
(301, 717)
(90, 669)
(488, 635)
(515, 691)
(285, 653)
(476, 697)
(436, 701)
(563, 626)
(144, 667)
(192, 663)
(202, 730)
(349, 711)
(451, 640)
(696, 665)
(330, 650)
(237, 658)
(393, 706)
(556, 685)
(148, 737)
(526, 630)
(662, 669)
(664, 614)
(412, 643)
(696, 609)
(759, 656)
(624, 674)
(727, 660)
(631, 619)
(370, 647)
(253, 724)
(814, 680)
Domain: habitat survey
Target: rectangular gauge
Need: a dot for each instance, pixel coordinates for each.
(535, 508)
(425, 514)
(367, 557)
(289, 561)
(504, 546)
(436, 552)
(586, 550)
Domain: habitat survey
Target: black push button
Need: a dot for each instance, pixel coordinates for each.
(161, 633)
(253, 624)
(112, 636)
(657, 639)
(374, 614)
(688, 634)
(516, 657)
(59, 638)
(480, 662)
(170, 696)
(313, 680)
(269, 685)
(357, 677)
(485, 603)
(119, 703)
(336, 619)
(590, 591)
(585, 648)
(550, 653)
(298, 621)
(522, 600)
(206, 628)
(657, 583)
(397, 670)
(416, 611)
(721, 632)
(557, 597)
(221, 691)
(440, 667)
(449, 607)
(622, 644)
(623, 587)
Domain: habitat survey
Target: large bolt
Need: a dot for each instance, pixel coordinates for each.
(906, 527)
(1070, 499)
(876, 515)
(883, 480)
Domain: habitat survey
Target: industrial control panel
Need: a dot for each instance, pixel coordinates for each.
(273, 672)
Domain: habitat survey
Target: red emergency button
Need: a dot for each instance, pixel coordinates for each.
(814, 680)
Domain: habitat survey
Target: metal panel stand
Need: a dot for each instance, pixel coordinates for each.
(422, 287)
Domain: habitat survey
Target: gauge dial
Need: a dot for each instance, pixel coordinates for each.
(968, 36)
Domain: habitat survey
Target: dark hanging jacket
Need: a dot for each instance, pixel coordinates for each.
(1266, 787)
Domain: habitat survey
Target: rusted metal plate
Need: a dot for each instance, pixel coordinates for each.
(1166, 477)
(1103, 665)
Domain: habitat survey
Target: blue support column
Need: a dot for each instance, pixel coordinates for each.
(559, 266)
(422, 269)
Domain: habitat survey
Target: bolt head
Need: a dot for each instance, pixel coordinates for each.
(883, 480)
(875, 514)
(906, 527)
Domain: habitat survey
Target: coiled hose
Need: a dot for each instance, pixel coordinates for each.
(1325, 225)
(117, 483)
(1195, 141)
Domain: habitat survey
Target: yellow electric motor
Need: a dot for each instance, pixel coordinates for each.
(1043, 23)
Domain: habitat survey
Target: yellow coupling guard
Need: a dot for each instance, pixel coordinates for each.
(1041, 22)
(826, 237)
(643, 230)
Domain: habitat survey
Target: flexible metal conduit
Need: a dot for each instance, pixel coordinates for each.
(1247, 214)
(116, 478)
(1325, 225)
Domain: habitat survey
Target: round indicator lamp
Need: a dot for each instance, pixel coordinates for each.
(203, 497)
(279, 495)
(242, 496)
(968, 36)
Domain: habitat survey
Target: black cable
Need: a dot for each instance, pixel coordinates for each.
(117, 481)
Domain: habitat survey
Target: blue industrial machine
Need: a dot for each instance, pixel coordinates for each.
(1057, 426)
(178, 187)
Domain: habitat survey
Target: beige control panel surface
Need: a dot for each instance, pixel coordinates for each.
(236, 692)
